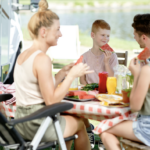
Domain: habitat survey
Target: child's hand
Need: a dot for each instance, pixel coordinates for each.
(79, 70)
(107, 55)
(135, 66)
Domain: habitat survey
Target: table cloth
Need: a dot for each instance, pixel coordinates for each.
(108, 116)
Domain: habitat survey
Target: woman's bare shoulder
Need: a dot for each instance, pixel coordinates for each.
(43, 58)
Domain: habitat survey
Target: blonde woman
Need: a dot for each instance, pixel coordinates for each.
(35, 85)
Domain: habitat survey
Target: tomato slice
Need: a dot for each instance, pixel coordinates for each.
(79, 60)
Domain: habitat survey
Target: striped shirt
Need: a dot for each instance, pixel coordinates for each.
(96, 63)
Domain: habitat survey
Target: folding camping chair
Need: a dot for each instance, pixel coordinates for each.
(10, 137)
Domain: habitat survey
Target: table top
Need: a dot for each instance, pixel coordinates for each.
(108, 116)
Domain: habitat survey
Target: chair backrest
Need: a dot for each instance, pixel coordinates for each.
(122, 57)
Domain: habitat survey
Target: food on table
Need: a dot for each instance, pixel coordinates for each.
(111, 99)
(76, 93)
(79, 95)
(90, 87)
(87, 96)
(93, 92)
(114, 105)
(111, 85)
(79, 60)
(102, 82)
(106, 47)
(144, 54)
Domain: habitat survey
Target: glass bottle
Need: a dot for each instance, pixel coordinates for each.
(111, 85)
(102, 82)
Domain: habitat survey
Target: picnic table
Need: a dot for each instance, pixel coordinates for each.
(108, 116)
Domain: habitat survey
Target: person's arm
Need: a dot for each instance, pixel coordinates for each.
(62, 74)
(140, 88)
(108, 67)
(83, 80)
(109, 70)
(43, 72)
(140, 85)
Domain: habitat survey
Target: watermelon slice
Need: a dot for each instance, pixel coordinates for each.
(75, 93)
(106, 47)
(88, 96)
(80, 96)
(144, 54)
(79, 60)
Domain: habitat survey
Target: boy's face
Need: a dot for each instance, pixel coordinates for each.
(139, 39)
(101, 37)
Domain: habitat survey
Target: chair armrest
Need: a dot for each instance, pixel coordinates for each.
(5, 97)
(50, 110)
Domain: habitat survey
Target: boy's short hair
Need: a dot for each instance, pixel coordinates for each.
(141, 24)
(100, 24)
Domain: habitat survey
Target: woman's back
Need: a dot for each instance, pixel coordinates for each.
(26, 84)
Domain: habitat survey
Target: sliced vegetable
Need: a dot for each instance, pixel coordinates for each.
(90, 87)
(79, 60)
(144, 54)
(73, 97)
(106, 47)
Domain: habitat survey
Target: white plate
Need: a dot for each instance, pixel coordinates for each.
(111, 99)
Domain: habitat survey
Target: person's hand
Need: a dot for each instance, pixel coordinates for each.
(79, 70)
(67, 68)
(107, 55)
(135, 66)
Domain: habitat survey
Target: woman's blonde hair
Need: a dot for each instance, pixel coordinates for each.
(43, 18)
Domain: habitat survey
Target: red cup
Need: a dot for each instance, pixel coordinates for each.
(102, 82)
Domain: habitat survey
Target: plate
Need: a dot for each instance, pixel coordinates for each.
(114, 105)
(111, 99)
(78, 100)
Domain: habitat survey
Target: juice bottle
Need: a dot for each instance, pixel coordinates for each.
(111, 85)
(102, 82)
(74, 85)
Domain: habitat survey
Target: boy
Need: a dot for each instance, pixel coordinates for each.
(98, 61)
